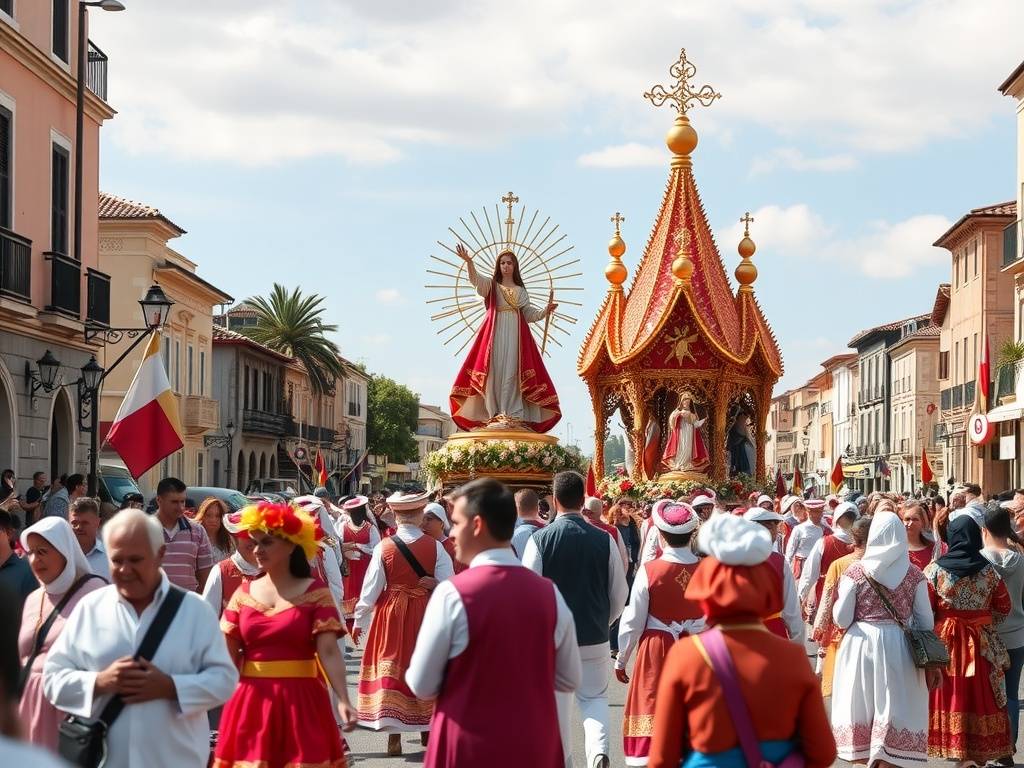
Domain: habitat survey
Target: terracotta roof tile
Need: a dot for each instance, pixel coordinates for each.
(225, 336)
(1008, 208)
(893, 326)
(114, 207)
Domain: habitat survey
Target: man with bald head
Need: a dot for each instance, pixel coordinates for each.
(163, 723)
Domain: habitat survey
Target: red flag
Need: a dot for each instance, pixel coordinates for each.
(984, 377)
(798, 483)
(591, 486)
(780, 484)
(321, 469)
(837, 475)
(926, 469)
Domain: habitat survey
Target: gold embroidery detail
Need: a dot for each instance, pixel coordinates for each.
(638, 725)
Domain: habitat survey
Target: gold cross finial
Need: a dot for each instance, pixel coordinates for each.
(617, 219)
(747, 220)
(510, 199)
(682, 95)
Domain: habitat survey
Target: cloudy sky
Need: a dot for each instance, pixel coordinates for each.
(330, 143)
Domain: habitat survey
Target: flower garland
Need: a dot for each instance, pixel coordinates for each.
(620, 485)
(480, 457)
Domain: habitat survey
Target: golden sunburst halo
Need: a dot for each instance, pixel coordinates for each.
(545, 263)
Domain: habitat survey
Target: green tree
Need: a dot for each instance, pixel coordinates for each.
(392, 414)
(291, 323)
(614, 450)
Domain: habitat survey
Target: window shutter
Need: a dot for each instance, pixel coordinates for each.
(5, 168)
(59, 201)
(60, 29)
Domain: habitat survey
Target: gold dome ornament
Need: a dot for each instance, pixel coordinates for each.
(616, 271)
(682, 265)
(746, 272)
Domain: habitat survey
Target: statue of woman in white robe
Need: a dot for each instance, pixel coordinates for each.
(685, 450)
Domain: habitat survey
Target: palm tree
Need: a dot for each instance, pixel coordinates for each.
(290, 323)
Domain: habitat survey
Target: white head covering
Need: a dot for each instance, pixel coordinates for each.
(674, 517)
(734, 541)
(787, 502)
(59, 533)
(437, 510)
(407, 502)
(762, 515)
(887, 557)
(764, 498)
(845, 508)
(314, 505)
(702, 500)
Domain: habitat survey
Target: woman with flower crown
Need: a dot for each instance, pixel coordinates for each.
(282, 630)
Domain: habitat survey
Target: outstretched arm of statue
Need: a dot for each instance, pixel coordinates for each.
(481, 284)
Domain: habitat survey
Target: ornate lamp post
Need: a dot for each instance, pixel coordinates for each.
(227, 440)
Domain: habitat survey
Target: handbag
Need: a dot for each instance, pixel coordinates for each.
(82, 741)
(724, 669)
(926, 648)
(44, 630)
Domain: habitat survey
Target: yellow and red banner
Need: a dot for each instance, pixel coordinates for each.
(798, 483)
(837, 476)
(146, 428)
(926, 469)
(321, 469)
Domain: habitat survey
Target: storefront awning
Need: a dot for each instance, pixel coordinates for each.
(1008, 412)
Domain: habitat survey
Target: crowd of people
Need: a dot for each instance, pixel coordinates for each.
(224, 638)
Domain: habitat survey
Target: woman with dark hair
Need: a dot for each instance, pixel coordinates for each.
(503, 377)
(282, 629)
(1002, 549)
(969, 723)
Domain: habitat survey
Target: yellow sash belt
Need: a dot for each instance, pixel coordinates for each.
(290, 668)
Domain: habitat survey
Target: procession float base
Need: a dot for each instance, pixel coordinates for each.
(680, 485)
(681, 477)
(518, 458)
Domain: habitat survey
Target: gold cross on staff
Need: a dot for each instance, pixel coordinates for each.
(510, 199)
(746, 221)
(682, 95)
(617, 219)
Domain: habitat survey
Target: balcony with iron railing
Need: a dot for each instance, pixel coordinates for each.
(310, 434)
(65, 285)
(1006, 382)
(15, 266)
(263, 423)
(96, 71)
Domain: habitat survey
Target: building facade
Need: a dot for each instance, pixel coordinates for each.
(843, 370)
(981, 303)
(48, 287)
(914, 388)
(134, 251)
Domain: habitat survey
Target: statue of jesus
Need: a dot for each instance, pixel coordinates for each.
(503, 381)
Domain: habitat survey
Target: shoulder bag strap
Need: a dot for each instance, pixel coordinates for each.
(409, 556)
(886, 603)
(724, 669)
(44, 630)
(148, 648)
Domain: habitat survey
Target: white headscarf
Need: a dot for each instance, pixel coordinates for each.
(887, 557)
(315, 507)
(62, 538)
(734, 541)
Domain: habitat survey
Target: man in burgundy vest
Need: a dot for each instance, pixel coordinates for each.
(495, 638)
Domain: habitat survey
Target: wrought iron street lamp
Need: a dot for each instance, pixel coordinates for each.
(156, 307)
(226, 440)
(45, 378)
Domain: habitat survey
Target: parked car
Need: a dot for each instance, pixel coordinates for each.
(197, 495)
(282, 486)
(114, 483)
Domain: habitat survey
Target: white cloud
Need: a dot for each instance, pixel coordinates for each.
(388, 296)
(376, 339)
(631, 155)
(795, 160)
(885, 251)
(265, 81)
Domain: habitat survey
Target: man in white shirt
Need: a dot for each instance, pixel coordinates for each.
(514, 614)
(164, 724)
(814, 569)
(587, 569)
(84, 517)
(805, 536)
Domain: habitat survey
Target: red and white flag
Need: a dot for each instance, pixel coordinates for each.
(146, 428)
(984, 378)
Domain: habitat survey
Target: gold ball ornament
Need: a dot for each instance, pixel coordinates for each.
(616, 272)
(746, 273)
(681, 137)
(616, 246)
(682, 268)
(746, 247)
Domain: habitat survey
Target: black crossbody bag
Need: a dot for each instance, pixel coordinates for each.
(82, 741)
(44, 630)
(410, 558)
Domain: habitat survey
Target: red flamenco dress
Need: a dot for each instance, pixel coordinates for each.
(968, 712)
(503, 373)
(280, 715)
